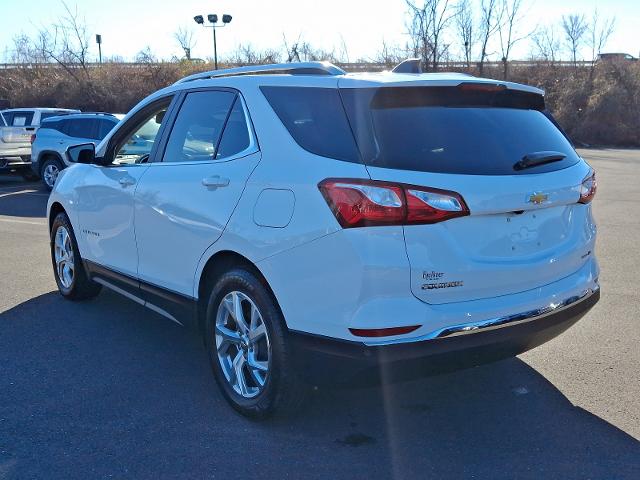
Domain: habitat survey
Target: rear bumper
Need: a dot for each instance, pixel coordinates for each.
(8, 162)
(323, 359)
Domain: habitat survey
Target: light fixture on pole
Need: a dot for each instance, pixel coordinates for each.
(213, 20)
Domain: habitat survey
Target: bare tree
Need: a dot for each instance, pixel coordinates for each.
(388, 55)
(490, 20)
(546, 44)
(508, 30)
(426, 28)
(66, 43)
(574, 27)
(184, 37)
(465, 28)
(598, 34)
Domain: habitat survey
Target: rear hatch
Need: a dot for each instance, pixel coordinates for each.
(19, 128)
(517, 173)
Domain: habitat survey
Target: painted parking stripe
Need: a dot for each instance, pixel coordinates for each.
(27, 222)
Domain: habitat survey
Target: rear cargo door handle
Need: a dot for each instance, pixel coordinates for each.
(215, 181)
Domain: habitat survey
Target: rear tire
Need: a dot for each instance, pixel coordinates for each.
(68, 269)
(254, 349)
(51, 168)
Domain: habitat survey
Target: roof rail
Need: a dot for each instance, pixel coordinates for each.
(297, 68)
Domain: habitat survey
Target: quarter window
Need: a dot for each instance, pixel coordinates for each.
(236, 137)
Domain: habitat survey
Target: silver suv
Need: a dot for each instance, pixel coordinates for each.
(17, 127)
(56, 134)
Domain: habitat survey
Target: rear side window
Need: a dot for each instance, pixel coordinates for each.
(104, 127)
(235, 137)
(453, 130)
(198, 126)
(316, 120)
(53, 125)
(81, 128)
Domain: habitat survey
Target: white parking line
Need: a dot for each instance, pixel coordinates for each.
(23, 192)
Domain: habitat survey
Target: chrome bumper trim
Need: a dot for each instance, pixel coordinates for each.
(495, 323)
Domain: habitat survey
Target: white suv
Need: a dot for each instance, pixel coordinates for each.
(311, 221)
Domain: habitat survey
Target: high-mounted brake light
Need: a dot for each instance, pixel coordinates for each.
(368, 203)
(481, 87)
(588, 188)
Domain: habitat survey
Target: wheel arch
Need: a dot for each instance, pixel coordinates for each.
(55, 209)
(44, 154)
(219, 263)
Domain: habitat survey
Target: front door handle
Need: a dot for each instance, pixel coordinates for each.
(215, 181)
(127, 181)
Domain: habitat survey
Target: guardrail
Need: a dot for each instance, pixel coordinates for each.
(350, 67)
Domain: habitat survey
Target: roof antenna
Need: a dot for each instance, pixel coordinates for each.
(410, 65)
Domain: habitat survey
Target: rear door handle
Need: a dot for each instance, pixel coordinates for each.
(127, 181)
(215, 181)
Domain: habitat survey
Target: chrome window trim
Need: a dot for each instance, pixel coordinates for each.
(494, 323)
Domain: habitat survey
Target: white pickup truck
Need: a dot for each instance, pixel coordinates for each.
(17, 126)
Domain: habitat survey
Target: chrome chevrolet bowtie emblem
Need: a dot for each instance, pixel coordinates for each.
(537, 198)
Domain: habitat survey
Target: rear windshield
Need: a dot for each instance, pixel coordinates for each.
(431, 129)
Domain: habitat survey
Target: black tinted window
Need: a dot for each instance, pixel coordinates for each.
(81, 127)
(316, 120)
(453, 131)
(198, 126)
(52, 124)
(104, 127)
(18, 119)
(235, 137)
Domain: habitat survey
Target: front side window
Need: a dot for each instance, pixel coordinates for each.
(137, 145)
(198, 127)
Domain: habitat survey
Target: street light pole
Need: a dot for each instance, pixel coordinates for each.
(215, 50)
(213, 20)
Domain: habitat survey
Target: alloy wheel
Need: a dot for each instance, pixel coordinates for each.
(50, 174)
(242, 344)
(63, 254)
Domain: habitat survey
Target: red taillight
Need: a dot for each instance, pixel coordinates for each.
(368, 203)
(33, 138)
(588, 188)
(383, 332)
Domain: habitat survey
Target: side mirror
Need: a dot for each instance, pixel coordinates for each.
(83, 153)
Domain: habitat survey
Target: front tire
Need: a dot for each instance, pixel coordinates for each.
(246, 338)
(51, 168)
(68, 269)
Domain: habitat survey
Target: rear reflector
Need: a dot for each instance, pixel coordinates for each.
(367, 203)
(588, 188)
(383, 332)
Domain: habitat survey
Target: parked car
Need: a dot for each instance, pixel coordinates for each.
(335, 223)
(18, 125)
(56, 134)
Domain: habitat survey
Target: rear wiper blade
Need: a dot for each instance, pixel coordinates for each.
(538, 158)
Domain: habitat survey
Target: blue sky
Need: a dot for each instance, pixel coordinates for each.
(129, 26)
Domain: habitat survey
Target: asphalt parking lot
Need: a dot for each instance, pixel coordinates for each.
(106, 388)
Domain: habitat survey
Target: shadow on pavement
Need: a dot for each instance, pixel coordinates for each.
(106, 388)
(22, 199)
